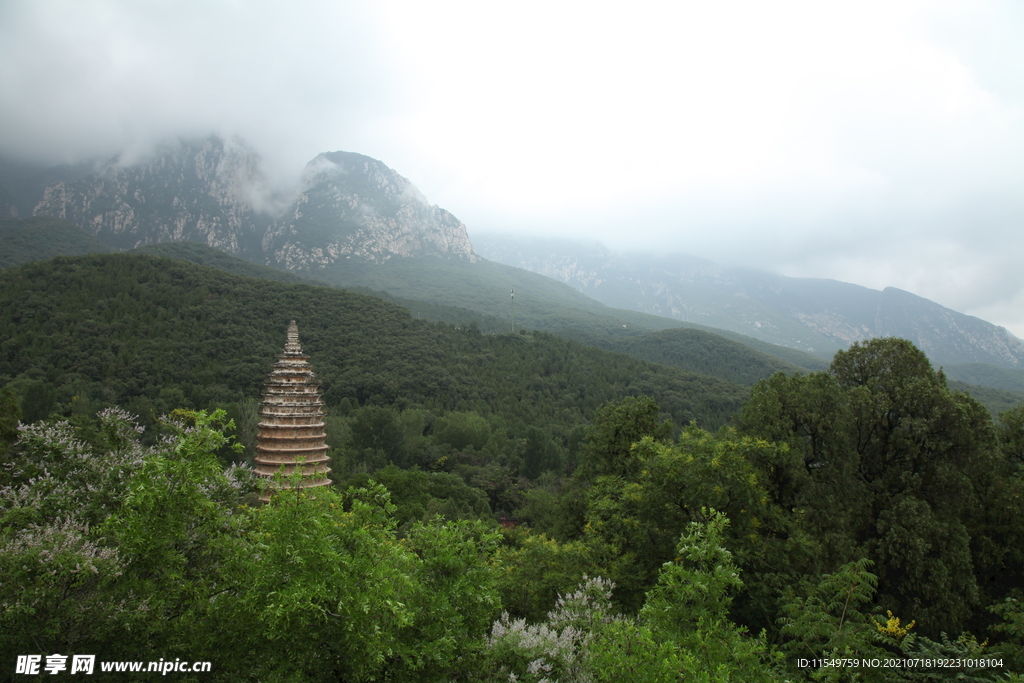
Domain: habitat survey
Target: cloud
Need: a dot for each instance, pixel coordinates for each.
(93, 78)
(879, 142)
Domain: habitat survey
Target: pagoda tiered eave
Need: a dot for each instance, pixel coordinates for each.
(290, 435)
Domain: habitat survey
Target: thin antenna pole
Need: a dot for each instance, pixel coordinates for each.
(513, 302)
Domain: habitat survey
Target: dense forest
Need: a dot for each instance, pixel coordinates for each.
(43, 237)
(152, 335)
(860, 522)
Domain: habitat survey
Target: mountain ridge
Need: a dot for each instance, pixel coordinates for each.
(716, 353)
(355, 222)
(815, 315)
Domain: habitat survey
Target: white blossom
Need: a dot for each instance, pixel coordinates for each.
(559, 644)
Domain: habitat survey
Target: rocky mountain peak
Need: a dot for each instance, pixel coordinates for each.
(361, 172)
(214, 192)
(354, 206)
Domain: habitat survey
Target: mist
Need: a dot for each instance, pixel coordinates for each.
(880, 143)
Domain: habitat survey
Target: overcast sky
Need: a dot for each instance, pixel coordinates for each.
(880, 143)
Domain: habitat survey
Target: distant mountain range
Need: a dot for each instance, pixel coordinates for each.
(815, 315)
(355, 222)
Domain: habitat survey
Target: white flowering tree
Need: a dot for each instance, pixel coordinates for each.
(104, 537)
(134, 552)
(556, 649)
(682, 633)
(56, 572)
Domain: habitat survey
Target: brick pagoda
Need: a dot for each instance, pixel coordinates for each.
(291, 428)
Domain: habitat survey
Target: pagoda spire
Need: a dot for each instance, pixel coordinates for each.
(291, 429)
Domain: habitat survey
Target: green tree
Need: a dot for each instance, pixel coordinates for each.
(632, 524)
(120, 549)
(324, 588)
(462, 430)
(455, 599)
(1010, 433)
(377, 429)
(896, 467)
(39, 401)
(1011, 629)
(832, 620)
(607, 446)
(175, 532)
(541, 454)
(690, 604)
(536, 569)
(10, 415)
(416, 493)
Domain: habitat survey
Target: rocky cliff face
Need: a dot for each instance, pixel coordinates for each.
(199, 192)
(944, 333)
(214, 192)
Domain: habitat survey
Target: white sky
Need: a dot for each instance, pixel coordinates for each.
(880, 143)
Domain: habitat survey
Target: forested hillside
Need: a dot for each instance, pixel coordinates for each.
(697, 351)
(152, 335)
(485, 287)
(43, 237)
(989, 376)
(203, 255)
(693, 348)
